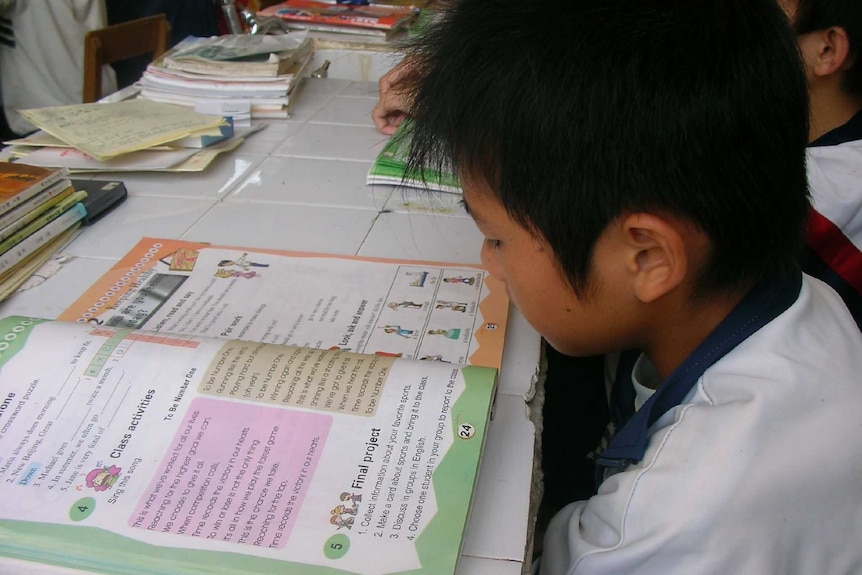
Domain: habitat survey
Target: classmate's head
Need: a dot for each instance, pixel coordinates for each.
(574, 114)
(840, 19)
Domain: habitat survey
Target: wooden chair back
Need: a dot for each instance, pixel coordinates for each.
(150, 35)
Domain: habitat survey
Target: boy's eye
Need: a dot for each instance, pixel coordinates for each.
(493, 244)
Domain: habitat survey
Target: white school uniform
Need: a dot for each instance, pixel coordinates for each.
(757, 471)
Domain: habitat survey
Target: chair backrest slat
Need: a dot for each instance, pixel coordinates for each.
(150, 35)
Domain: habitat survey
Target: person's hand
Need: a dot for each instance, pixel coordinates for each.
(391, 108)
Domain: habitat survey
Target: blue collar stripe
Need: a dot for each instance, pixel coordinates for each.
(759, 307)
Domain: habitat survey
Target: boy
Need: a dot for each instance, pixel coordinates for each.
(637, 168)
(829, 32)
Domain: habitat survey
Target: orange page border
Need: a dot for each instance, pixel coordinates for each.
(147, 253)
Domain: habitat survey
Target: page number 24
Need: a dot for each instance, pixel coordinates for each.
(466, 431)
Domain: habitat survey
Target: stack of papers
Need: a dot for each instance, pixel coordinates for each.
(123, 136)
(241, 75)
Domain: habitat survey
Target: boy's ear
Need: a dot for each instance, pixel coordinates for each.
(831, 51)
(657, 257)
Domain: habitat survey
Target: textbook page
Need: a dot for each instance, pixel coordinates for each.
(421, 310)
(127, 452)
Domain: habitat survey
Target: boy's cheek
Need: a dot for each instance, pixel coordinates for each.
(526, 302)
(548, 329)
(490, 261)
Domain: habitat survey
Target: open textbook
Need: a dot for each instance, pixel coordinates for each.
(132, 442)
(420, 310)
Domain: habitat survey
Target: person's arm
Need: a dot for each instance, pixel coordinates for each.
(391, 108)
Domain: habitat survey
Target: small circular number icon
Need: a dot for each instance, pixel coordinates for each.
(466, 431)
(336, 546)
(82, 509)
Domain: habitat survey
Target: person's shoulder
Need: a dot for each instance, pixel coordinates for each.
(835, 184)
(815, 340)
(849, 132)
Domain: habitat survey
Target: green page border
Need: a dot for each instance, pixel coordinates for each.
(438, 547)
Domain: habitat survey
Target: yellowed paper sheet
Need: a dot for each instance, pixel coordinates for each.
(104, 131)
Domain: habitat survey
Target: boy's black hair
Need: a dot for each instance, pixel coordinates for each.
(814, 15)
(576, 112)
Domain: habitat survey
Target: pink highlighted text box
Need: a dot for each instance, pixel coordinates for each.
(234, 472)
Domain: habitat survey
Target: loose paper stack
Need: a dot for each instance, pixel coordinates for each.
(241, 75)
(121, 136)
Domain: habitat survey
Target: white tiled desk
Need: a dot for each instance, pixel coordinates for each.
(299, 184)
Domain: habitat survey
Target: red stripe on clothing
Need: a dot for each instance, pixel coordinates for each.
(835, 249)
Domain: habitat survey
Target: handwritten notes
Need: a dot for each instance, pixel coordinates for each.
(107, 130)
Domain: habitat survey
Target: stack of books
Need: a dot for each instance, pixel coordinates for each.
(39, 211)
(346, 18)
(243, 76)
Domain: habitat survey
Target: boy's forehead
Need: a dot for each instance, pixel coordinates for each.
(478, 199)
(473, 190)
(472, 207)
(484, 207)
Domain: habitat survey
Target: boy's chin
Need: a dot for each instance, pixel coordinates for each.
(572, 350)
